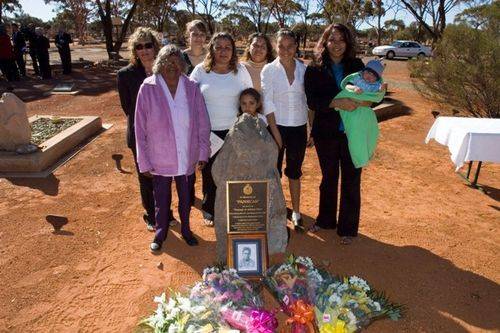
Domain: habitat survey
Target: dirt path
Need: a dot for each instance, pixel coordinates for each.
(427, 239)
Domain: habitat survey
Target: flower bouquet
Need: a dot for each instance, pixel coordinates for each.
(345, 305)
(180, 314)
(235, 300)
(294, 284)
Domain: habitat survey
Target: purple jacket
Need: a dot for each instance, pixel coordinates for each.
(155, 137)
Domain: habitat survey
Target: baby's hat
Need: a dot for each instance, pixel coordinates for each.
(376, 67)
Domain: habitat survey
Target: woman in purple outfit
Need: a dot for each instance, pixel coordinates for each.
(172, 131)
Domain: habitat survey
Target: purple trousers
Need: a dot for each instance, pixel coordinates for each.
(163, 199)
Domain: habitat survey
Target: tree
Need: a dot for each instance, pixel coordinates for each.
(156, 12)
(481, 16)
(79, 10)
(463, 73)
(348, 12)
(255, 10)
(435, 9)
(106, 15)
(376, 10)
(237, 25)
(8, 6)
(211, 10)
(283, 10)
(393, 26)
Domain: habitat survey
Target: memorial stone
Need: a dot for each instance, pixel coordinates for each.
(15, 129)
(249, 153)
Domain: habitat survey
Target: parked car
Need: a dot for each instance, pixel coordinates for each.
(402, 48)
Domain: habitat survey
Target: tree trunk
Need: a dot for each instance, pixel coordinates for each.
(125, 26)
(107, 25)
(442, 16)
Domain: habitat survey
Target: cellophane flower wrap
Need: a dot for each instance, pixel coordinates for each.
(294, 284)
(178, 314)
(238, 304)
(348, 304)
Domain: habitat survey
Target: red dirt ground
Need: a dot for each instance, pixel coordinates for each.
(426, 238)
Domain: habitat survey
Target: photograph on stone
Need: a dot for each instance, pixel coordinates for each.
(247, 253)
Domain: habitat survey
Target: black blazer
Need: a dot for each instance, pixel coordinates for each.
(62, 41)
(321, 87)
(18, 41)
(129, 80)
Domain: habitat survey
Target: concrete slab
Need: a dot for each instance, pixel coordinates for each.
(52, 149)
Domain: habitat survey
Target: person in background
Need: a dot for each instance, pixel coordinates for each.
(31, 37)
(173, 137)
(284, 96)
(221, 79)
(62, 40)
(258, 53)
(42, 53)
(196, 52)
(143, 45)
(335, 58)
(19, 48)
(7, 64)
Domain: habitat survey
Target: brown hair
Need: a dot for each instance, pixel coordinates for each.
(142, 33)
(209, 61)
(321, 54)
(270, 51)
(255, 94)
(198, 24)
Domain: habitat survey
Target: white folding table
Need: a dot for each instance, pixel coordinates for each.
(469, 140)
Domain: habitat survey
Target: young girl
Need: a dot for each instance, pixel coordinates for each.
(250, 102)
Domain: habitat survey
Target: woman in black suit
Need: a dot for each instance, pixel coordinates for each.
(144, 45)
(335, 59)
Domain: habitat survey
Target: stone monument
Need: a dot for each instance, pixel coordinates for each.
(15, 130)
(249, 153)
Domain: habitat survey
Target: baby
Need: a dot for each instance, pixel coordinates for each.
(369, 79)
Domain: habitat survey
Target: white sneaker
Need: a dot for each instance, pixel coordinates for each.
(173, 222)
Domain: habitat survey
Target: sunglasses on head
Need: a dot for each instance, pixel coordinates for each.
(139, 47)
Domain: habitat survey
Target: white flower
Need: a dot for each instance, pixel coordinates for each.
(335, 300)
(359, 282)
(377, 306)
(306, 261)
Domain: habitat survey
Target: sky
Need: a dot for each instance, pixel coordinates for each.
(38, 8)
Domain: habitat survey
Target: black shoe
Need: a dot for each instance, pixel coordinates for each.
(150, 225)
(191, 241)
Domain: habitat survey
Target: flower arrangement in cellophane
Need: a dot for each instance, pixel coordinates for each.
(294, 284)
(348, 304)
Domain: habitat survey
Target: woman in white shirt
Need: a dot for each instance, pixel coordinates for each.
(221, 79)
(284, 95)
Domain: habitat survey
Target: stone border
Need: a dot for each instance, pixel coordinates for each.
(52, 149)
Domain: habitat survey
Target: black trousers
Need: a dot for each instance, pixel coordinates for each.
(208, 186)
(65, 55)
(147, 197)
(9, 69)
(45, 70)
(21, 65)
(34, 61)
(335, 160)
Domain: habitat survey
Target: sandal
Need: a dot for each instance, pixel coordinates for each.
(208, 223)
(346, 240)
(314, 228)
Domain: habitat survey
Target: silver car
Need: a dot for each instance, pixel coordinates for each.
(402, 48)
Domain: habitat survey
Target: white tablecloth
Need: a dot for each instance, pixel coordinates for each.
(468, 139)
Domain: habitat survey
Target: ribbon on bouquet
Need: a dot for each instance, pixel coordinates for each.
(302, 313)
(262, 321)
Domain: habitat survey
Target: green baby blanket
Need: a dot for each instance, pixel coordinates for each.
(361, 125)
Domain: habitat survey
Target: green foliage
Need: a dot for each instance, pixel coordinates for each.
(464, 71)
(485, 16)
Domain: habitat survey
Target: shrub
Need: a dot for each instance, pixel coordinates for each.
(464, 71)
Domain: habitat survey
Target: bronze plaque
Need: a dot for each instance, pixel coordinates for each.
(247, 206)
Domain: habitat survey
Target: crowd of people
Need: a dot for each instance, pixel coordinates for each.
(32, 41)
(176, 100)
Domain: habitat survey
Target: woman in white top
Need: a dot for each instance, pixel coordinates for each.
(284, 95)
(221, 79)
